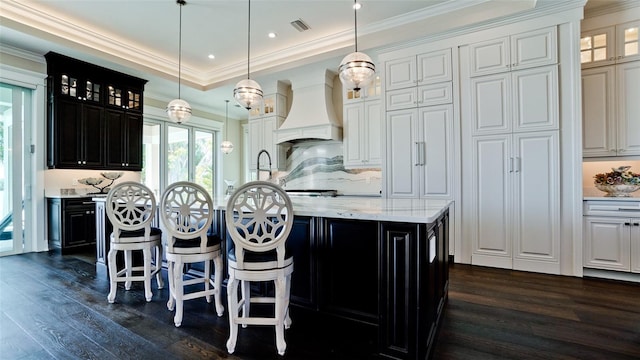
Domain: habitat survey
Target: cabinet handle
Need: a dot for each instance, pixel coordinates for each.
(627, 224)
(621, 150)
(79, 162)
(423, 153)
(518, 164)
(510, 164)
(417, 154)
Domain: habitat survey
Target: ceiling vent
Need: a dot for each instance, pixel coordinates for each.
(300, 25)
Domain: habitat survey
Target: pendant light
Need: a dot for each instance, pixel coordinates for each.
(178, 110)
(356, 69)
(247, 92)
(226, 146)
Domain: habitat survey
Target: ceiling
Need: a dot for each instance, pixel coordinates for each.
(141, 37)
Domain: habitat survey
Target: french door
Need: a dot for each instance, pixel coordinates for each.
(15, 195)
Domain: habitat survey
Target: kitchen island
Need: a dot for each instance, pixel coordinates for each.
(375, 261)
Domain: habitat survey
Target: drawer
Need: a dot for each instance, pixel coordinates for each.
(612, 208)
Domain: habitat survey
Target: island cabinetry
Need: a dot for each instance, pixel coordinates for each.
(303, 243)
(82, 100)
(71, 223)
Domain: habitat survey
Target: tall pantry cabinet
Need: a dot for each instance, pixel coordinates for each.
(511, 147)
(419, 124)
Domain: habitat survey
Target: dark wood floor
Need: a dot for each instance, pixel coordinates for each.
(55, 307)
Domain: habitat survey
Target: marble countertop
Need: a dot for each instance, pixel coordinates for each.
(595, 194)
(361, 208)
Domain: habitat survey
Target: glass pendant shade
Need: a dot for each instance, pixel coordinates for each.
(356, 70)
(226, 147)
(248, 93)
(179, 111)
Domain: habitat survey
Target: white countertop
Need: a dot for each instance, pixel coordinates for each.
(361, 208)
(365, 208)
(595, 194)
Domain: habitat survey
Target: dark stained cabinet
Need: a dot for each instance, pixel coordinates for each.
(72, 224)
(94, 116)
(124, 131)
(302, 243)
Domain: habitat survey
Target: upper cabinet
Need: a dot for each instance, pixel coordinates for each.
(369, 92)
(515, 52)
(263, 122)
(94, 116)
(610, 45)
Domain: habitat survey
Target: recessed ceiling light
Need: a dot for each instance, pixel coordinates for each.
(272, 35)
(211, 56)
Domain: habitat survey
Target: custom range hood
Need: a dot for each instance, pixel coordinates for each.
(312, 115)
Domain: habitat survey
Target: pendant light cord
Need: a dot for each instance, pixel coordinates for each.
(181, 3)
(226, 120)
(249, 39)
(355, 21)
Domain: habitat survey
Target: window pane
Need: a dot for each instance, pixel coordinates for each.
(585, 43)
(631, 34)
(600, 54)
(203, 159)
(151, 157)
(631, 49)
(585, 56)
(177, 154)
(600, 40)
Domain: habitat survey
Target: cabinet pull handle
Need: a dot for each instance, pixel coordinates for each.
(518, 164)
(628, 209)
(87, 203)
(627, 224)
(510, 164)
(417, 163)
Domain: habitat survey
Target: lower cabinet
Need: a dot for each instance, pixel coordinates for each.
(612, 243)
(71, 223)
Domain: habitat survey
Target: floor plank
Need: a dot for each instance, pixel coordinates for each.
(55, 307)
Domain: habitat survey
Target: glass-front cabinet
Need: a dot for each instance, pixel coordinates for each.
(94, 116)
(610, 45)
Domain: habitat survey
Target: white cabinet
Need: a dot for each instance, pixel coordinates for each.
(371, 91)
(611, 110)
(610, 45)
(518, 101)
(515, 52)
(420, 152)
(261, 136)
(612, 235)
(428, 68)
(514, 201)
(362, 134)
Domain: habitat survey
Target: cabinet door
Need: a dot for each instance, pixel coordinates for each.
(606, 243)
(351, 248)
(628, 41)
(628, 94)
(534, 48)
(435, 94)
(436, 133)
(535, 99)
(400, 73)
(133, 146)
(402, 99)
(303, 246)
(489, 57)
(353, 131)
(536, 205)
(491, 212)
(597, 47)
(116, 126)
(490, 104)
(402, 149)
(598, 112)
(434, 67)
(255, 141)
(635, 245)
(93, 135)
(373, 119)
(68, 139)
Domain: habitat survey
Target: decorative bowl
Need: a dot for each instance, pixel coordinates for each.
(617, 190)
(90, 181)
(111, 175)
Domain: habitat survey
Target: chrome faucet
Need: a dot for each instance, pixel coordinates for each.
(263, 151)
